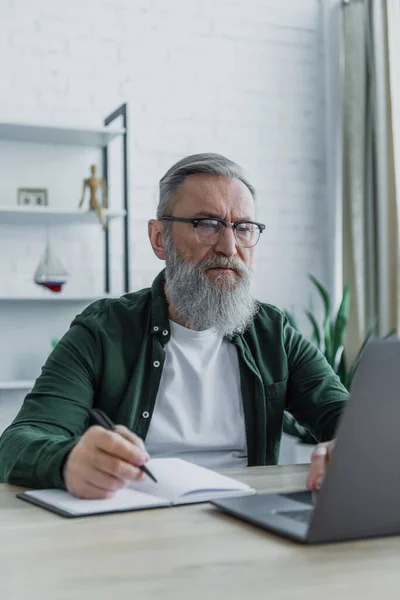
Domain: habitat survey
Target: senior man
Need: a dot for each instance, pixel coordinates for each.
(194, 365)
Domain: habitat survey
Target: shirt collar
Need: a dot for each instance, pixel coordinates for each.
(159, 309)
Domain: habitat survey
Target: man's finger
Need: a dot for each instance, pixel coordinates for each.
(117, 445)
(132, 437)
(89, 491)
(104, 481)
(319, 461)
(120, 469)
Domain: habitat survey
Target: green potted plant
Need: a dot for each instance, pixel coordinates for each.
(329, 338)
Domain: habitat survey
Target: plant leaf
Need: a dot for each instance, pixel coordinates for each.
(325, 297)
(337, 359)
(342, 319)
(328, 344)
(357, 359)
(316, 336)
(326, 324)
(391, 333)
(342, 371)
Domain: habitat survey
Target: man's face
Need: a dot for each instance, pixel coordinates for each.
(218, 197)
(207, 286)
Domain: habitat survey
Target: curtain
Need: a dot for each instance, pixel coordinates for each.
(370, 246)
(393, 20)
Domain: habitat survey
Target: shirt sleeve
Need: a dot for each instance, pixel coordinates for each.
(54, 414)
(315, 394)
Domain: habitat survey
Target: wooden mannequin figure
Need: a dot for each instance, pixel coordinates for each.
(93, 183)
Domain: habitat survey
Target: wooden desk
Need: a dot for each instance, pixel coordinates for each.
(190, 553)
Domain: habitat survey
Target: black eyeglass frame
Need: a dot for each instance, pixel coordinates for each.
(234, 225)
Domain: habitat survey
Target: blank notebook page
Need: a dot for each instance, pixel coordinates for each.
(176, 477)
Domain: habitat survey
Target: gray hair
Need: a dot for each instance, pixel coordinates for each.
(208, 164)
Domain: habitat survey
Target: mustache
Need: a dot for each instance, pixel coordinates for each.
(223, 262)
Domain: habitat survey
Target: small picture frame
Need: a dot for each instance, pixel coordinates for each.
(32, 197)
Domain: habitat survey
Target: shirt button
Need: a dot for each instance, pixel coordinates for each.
(145, 415)
(156, 363)
(155, 328)
(165, 332)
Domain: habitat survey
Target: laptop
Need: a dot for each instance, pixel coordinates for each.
(360, 497)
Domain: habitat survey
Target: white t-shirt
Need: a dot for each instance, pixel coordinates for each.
(198, 415)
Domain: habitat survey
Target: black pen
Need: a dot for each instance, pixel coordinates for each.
(103, 420)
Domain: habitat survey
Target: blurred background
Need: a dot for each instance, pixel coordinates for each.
(303, 94)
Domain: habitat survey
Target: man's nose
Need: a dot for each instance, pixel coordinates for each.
(227, 244)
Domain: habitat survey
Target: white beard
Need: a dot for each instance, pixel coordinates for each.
(225, 304)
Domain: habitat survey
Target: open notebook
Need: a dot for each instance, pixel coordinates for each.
(178, 482)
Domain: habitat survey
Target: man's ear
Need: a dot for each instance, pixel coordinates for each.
(156, 237)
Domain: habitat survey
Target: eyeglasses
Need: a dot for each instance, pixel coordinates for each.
(210, 231)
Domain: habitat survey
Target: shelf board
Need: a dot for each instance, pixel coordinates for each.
(20, 215)
(16, 385)
(67, 136)
(55, 298)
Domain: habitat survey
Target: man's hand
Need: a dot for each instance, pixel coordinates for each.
(319, 461)
(104, 461)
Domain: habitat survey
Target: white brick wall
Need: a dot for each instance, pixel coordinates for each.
(240, 77)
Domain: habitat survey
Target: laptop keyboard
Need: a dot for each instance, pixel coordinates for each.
(302, 516)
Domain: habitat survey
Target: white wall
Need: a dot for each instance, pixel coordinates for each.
(240, 77)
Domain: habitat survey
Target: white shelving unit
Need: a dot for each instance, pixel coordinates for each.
(35, 133)
(66, 136)
(16, 385)
(29, 321)
(54, 217)
(55, 298)
(12, 215)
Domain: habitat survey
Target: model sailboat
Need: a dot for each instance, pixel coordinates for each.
(50, 272)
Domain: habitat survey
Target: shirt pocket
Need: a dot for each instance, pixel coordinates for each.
(276, 390)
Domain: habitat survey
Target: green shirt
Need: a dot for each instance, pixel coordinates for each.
(112, 358)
